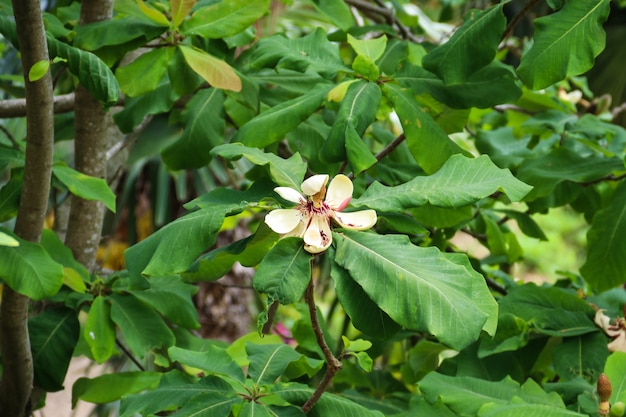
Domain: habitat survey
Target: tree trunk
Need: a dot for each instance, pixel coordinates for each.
(90, 145)
(17, 374)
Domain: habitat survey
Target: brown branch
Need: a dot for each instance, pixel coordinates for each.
(518, 17)
(333, 364)
(17, 107)
(16, 384)
(387, 14)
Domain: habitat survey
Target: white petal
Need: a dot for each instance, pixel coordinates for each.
(317, 237)
(298, 231)
(283, 220)
(289, 194)
(357, 220)
(314, 184)
(339, 192)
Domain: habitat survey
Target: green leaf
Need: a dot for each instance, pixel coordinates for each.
(112, 387)
(312, 52)
(615, 370)
(285, 272)
(370, 48)
(512, 334)
(423, 358)
(461, 181)
(254, 409)
(272, 125)
(268, 362)
(142, 327)
(85, 186)
(29, 269)
(121, 33)
(204, 129)
(471, 48)
(214, 360)
(364, 360)
(526, 224)
(285, 172)
(150, 67)
(358, 153)
(53, 337)
(8, 240)
(528, 410)
(10, 194)
(136, 109)
(422, 289)
(153, 14)
(214, 71)
(430, 145)
(61, 253)
(225, 18)
(99, 332)
(175, 246)
(605, 264)
(357, 111)
(179, 10)
(565, 43)
(581, 357)
(337, 12)
(38, 70)
(549, 310)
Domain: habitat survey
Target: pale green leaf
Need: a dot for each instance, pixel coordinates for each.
(214, 71)
(74, 280)
(150, 68)
(420, 288)
(369, 48)
(153, 14)
(461, 181)
(285, 172)
(85, 186)
(337, 12)
(111, 387)
(605, 264)
(99, 331)
(471, 47)
(38, 70)
(615, 370)
(225, 18)
(180, 9)
(8, 240)
(565, 43)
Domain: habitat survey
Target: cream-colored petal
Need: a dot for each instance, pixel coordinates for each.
(357, 220)
(339, 192)
(314, 184)
(283, 220)
(317, 237)
(289, 194)
(298, 231)
(618, 344)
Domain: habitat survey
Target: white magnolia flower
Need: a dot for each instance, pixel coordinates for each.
(310, 219)
(615, 330)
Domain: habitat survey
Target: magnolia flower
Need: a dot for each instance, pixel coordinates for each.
(310, 219)
(617, 330)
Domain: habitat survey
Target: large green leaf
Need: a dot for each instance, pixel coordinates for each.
(430, 145)
(175, 246)
(85, 186)
(115, 32)
(215, 71)
(29, 269)
(357, 111)
(142, 327)
(420, 288)
(224, 18)
(565, 43)
(605, 264)
(313, 52)
(214, 360)
(471, 47)
(268, 362)
(581, 356)
(615, 370)
(204, 129)
(550, 310)
(150, 67)
(99, 332)
(285, 272)
(53, 337)
(461, 181)
(272, 125)
(111, 387)
(337, 12)
(285, 172)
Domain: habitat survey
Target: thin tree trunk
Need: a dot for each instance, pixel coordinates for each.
(17, 374)
(90, 146)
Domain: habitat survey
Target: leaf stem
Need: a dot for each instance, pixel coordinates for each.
(333, 364)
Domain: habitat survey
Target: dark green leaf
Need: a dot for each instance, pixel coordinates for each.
(581, 356)
(115, 32)
(149, 67)
(53, 337)
(136, 109)
(10, 195)
(214, 360)
(111, 387)
(268, 362)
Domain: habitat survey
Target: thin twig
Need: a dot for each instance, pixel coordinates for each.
(391, 147)
(518, 17)
(10, 136)
(617, 110)
(387, 14)
(130, 355)
(333, 364)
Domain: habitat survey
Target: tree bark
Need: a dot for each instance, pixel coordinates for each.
(90, 146)
(17, 374)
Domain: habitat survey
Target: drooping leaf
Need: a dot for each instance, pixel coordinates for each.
(111, 387)
(204, 129)
(565, 43)
(224, 18)
(268, 362)
(29, 269)
(461, 181)
(605, 264)
(272, 125)
(99, 332)
(214, 71)
(214, 360)
(430, 145)
(180, 9)
(471, 48)
(153, 14)
(285, 172)
(337, 12)
(357, 151)
(285, 272)
(420, 288)
(53, 337)
(550, 310)
(150, 68)
(85, 186)
(142, 327)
